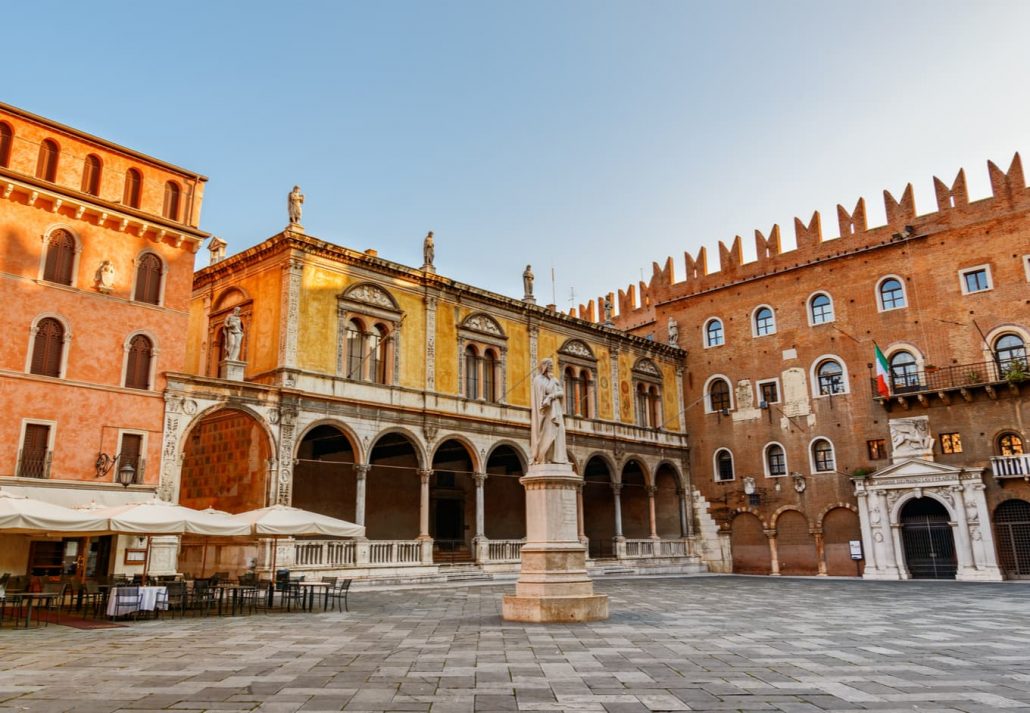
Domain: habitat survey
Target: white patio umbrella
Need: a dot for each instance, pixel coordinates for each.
(285, 521)
(159, 517)
(19, 514)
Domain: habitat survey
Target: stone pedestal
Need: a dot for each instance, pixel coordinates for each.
(553, 585)
(231, 369)
(164, 555)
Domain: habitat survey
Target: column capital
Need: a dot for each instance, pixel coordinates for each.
(616, 488)
(423, 474)
(480, 479)
(361, 469)
(771, 534)
(651, 490)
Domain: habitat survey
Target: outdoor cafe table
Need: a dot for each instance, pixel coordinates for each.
(307, 591)
(234, 591)
(147, 601)
(34, 599)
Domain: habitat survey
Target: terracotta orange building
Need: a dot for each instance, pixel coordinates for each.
(97, 245)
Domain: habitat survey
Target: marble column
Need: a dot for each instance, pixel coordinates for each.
(423, 508)
(820, 552)
(360, 476)
(617, 497)
(480, 544)
(579, 517)
(652, 491)
(963, 546)
(684, 528)
(774, 555)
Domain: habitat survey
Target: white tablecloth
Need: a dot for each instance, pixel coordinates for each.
(148, 601)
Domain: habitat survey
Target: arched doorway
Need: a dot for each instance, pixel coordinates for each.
(452, 505)
(599, 508)
(392, 490)
(225, 466)
(795, 545)
(1012, 533)
(636, 517)
(667, 503)
(323, 476)
(928, 540)
(504, 497)
(840, 526)
(749, 545)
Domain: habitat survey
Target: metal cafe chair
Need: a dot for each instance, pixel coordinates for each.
(126, 598)
(339, 592)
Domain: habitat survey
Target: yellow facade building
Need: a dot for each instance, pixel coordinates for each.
(399, 399)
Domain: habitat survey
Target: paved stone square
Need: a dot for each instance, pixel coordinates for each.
(709, 643)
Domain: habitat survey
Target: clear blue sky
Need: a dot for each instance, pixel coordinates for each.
(596, 137)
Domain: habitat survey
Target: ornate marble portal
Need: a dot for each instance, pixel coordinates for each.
(913, 474)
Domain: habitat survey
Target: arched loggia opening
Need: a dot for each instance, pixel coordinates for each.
(393, 490)
(599, 508)
(452, 506)
(667, 504)
(323, 476)
(505, 498)
(636, 518)
(225, 466)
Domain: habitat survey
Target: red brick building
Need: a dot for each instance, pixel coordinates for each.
(785, 423)
(96, 258)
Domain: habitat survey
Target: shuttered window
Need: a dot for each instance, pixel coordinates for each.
(60, 258)
(171, 207)
(35, 452)
(91, 175)
(137, 369)
(46, 166)
(47, 348)
(148, 279)
(133, 187)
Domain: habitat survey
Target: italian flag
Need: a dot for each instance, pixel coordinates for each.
(882, 372)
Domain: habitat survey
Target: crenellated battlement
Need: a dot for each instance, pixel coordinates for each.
(636, 304)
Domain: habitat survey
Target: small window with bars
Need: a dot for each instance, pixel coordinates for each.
(35, 455)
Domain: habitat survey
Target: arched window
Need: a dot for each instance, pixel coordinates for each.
(718, 395)
(6, 139)
(569, 385)
(775, 460)
(723, 464)
(904, 371)
(171, 206)
(91, 175)
(822, 456)
(60, 258)
(643, 410)
(133, 188)
(1010, 350)
(471, 373)
(137, 366)
(355, 349)
(765, 322)
(831, 377)
(46, 165)
(373, 354)
(891, 294)
(585, 389)
(1010, 444)
(48, 348)
(714, 336)
(820, 309)
(148, 279)
(490, 375)
(380, 347)
(654, 407)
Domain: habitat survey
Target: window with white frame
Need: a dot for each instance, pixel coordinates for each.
(775, 460)
(764, 321)
(890, 294)
(769, 391)
(369, 326)
(36, 450)
(820, 309)
(976, 279)
(723, 465)
(904, 372)
(830, 378)
(822, 456)
(714, 335)
(1010, 351)
(718, 395)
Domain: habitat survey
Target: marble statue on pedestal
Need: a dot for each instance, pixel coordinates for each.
(527, 284)
(233, 329)
(294, 203)
(428, 251)
(674, 332)
(547, 433)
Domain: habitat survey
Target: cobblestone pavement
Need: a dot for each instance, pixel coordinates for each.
(672, 644)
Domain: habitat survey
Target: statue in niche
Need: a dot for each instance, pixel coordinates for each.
(674, 332)
(428, 250)
(547, 434)
(105, 277)
(294, 203)
(233, 329)
(527, 283)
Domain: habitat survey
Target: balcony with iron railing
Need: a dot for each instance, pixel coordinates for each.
(34, 465)
(962, 379)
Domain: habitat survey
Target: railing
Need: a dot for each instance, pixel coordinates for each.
(640, 548)
(505, 550)
(1010, 466)
(672, 548)
(957, 376)
(394, 552)
(324, 553)
(36, 465)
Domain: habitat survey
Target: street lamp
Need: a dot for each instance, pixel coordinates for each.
(126, 474)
